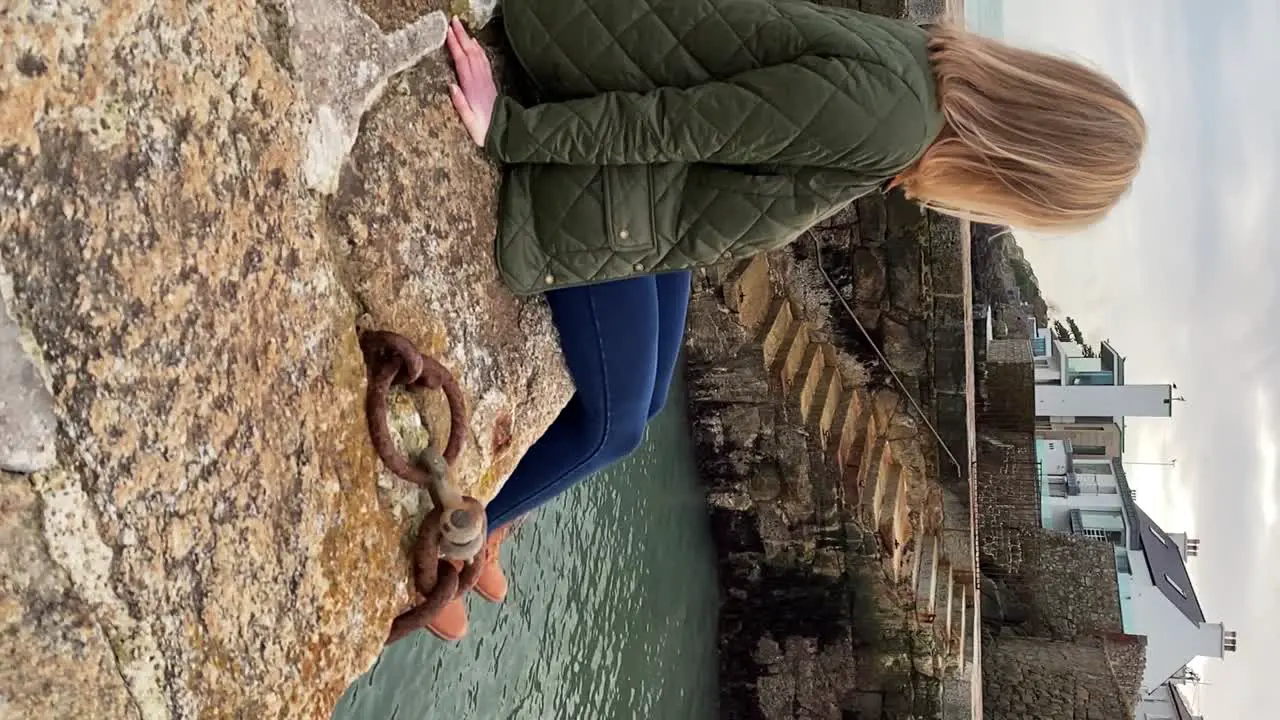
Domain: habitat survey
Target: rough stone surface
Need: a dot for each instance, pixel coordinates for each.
(1032, 678)
(343, 60)
(44, 623)
(218, 537)
(27, 422)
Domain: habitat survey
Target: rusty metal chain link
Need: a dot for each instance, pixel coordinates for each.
(447, 554)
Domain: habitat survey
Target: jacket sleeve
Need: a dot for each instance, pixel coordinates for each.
(818, 112)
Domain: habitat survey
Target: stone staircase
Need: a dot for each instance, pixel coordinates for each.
(924, 539)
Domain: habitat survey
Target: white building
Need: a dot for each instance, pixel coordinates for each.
(1090, 497)
(1072, 388)
(1164, 703)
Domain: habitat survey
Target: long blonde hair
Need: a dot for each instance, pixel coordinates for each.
(1030, 140)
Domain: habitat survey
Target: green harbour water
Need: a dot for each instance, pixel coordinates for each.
(611, 614)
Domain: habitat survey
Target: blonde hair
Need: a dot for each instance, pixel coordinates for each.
(1030, 140)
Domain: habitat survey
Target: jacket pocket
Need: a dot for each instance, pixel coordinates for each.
(628, 200)
(742, 181)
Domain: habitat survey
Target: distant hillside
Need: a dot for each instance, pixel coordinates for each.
(1001, 273)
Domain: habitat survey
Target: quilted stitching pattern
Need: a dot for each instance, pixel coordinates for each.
(666, 111)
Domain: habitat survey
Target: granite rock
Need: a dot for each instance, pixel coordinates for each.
(217, 538)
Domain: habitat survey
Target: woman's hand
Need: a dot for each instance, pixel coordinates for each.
(475, 94)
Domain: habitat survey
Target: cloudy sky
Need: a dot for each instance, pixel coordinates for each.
(1183, 280)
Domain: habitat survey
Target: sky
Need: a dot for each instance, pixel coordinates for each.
(1184, 280)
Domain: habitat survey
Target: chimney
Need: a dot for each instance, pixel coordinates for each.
(1193, 547)
(1229, 641)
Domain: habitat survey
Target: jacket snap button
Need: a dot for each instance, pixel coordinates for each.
(624, 234)
(549, 279)
(639, 266)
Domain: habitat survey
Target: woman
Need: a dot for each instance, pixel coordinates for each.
(671, 134)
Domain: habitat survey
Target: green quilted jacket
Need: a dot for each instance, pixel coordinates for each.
(672, 134)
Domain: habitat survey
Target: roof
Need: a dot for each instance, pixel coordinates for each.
(1168, 567)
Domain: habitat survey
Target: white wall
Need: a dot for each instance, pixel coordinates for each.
(1059, 509)
(1048, 374)
(1180, 539)
(1104, 400)
(1172, 639)
(1098, 491)
(1159, 705)
(1053, 458)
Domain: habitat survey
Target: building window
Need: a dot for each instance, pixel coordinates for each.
(1122, 563)
(1175, 585)
(1089, 450)
(1057, 487)
(1095, 468)
(1108, 536)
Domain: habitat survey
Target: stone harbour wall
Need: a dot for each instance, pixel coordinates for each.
(1056, 585)
(818, 618)
(1056, 680)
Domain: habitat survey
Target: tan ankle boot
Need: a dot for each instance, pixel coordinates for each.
(450, 624)
(492, 585)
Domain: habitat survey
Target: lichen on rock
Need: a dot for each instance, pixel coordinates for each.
(214, 541)
(27, 422)
(343, 61)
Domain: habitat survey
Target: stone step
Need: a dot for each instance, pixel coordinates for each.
(947, 607)
(849, 426)
(831, 392)
(814, 373)
(902, 508)
(777, 330)
(961, 618)
(792, 356)
(959, 623)
(917, 558)
(876, 482)
(750, 294)
(889, 485)
(871, 441)
(940, 601)
(927, 579)
(897, 562)
(871, 455)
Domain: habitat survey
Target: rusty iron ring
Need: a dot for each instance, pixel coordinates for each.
(392, 359)
(438, 581)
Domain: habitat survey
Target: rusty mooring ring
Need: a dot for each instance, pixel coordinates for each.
(392, 359)
(382, 350)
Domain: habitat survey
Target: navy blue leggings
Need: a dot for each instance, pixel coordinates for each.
(620, 340)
